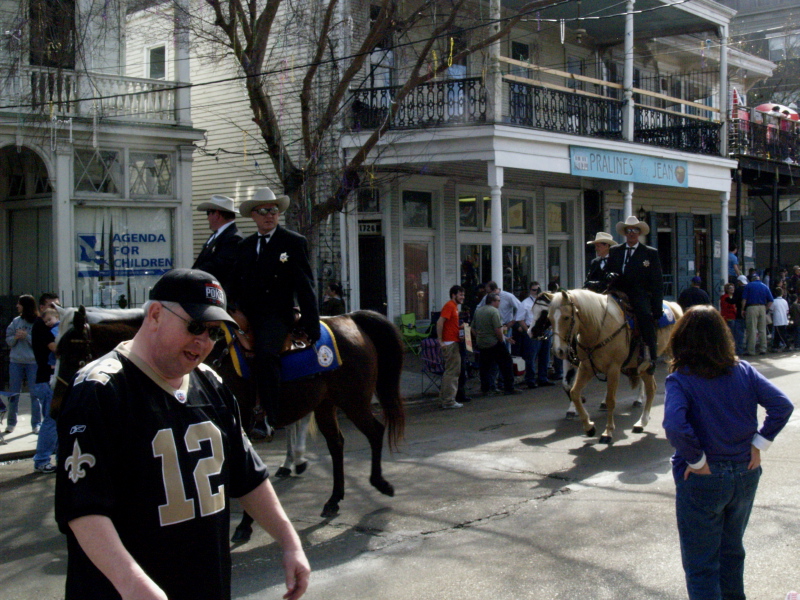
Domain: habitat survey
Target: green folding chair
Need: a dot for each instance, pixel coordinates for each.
(411, 337)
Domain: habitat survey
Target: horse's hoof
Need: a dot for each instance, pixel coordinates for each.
(603, 406)
(383, 486)
(605, 439)
(572, 416)
(591, 432)
(638, 429)
(637, 403)
(301, 468)
(330, 510)
(241, 535)
(283, 472)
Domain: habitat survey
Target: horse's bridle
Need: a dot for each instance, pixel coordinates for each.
(572, 341)
(85, 341)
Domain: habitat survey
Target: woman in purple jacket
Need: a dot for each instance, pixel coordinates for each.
(711, 418)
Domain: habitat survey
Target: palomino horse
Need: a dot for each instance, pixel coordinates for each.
(538, 329)
(594, 329)
(372, 359)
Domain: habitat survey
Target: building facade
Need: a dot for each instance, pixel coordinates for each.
(95, 165)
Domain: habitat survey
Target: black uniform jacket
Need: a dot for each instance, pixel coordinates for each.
(270, 284)
(642, 276)
(596, 272)
(219, 256)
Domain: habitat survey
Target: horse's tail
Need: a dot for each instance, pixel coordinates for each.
(389, 346)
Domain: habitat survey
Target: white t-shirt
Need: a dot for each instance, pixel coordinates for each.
(780, 312)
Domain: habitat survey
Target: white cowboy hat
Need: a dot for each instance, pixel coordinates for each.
(602, 238)
(263, 196)
(632, 221)
(218, 203)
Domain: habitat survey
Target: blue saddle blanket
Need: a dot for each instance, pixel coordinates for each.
(323, 356)
(666, 319)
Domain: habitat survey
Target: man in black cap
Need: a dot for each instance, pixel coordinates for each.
(273, 275)
(218, 255)
(693, 295)
(639, 269)
(150, 451)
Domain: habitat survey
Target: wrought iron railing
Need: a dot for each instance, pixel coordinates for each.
(63, 92)
(432, 104)
(776, 142)
(657, 127)
(565, 112)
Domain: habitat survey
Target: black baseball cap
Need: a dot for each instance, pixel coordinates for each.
(198, 293)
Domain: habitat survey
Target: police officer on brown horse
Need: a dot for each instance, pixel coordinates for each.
(639, 269)
(273, 275)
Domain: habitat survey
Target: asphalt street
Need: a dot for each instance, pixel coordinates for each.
(502, 499)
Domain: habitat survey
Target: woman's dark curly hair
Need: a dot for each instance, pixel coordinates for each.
(29, 310)
(702, 342)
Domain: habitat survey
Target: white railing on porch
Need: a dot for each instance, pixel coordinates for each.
(66, 93)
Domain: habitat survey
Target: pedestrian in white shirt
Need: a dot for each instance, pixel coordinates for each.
(780, 321)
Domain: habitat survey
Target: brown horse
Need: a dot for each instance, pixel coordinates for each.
(372, 359)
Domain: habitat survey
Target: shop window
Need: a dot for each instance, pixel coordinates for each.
(157, 62)
(518, 214)
(121, 251)
(468, 212)
(417, 209)
(150, 174)
(476, 268)
(557, 217)
(98, 171)
(790, 210)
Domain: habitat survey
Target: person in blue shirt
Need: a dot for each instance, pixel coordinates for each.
(733, 264)
(711, 419)
(756, 301)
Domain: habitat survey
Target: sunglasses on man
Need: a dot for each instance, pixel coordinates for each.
(632, 230)
(195, 327)
(264, 210)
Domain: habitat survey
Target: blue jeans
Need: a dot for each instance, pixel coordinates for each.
(46, 444)
(737, 329)
(16, 373)
(712, 512)
(540, 357)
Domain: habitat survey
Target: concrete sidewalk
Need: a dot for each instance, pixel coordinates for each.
(22, 443)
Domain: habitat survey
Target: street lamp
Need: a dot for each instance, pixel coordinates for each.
(642, 214)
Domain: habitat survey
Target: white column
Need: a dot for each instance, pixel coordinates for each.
(496, 185)
(184, 231)
(63, 226)
(627, 199)
(349, 222)
(183, 96)
(495, 79)
(723, 90)
(627, 77)
(724, 199)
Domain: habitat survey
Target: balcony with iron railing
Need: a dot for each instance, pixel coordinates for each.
(564, 107)
(778, 141)
(67, 93)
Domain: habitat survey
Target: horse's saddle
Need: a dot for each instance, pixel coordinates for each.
(299, 357)
(667, 316)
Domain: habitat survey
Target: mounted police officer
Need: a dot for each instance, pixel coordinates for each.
(639, 269)
(596, 278)
(273, 275)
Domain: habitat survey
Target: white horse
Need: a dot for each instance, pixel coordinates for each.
(593, 329)
(539, 325)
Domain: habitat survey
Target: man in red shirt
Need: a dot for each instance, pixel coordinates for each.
(447, 330)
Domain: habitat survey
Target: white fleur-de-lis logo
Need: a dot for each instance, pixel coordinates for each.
(284, 257)
(74, 462)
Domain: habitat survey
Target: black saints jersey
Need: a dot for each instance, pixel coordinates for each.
(162, 464)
